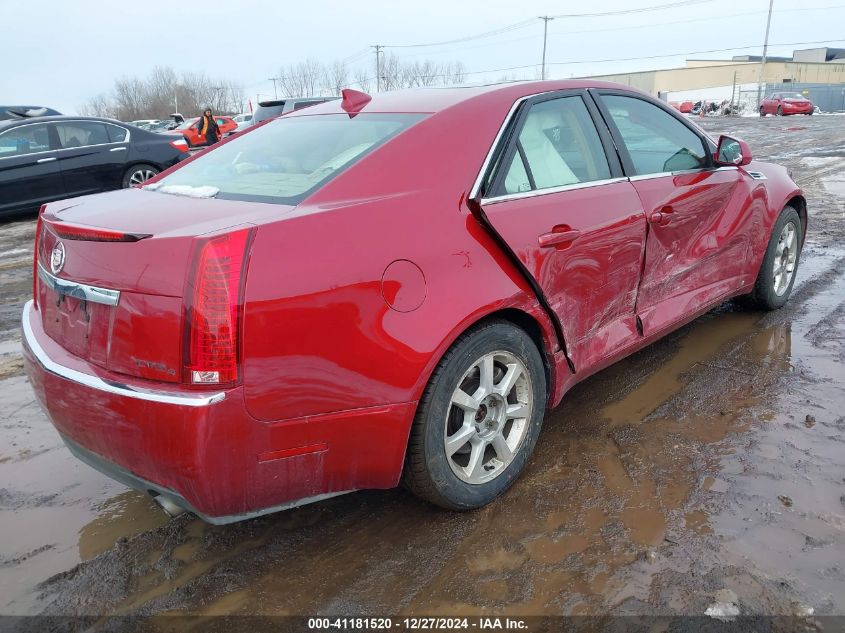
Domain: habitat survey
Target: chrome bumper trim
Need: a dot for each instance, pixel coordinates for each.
(94, 382)
(84, 292)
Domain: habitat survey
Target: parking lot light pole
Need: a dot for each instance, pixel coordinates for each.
(275, 92)
(763, 58)
(546, 19)
(378, 48)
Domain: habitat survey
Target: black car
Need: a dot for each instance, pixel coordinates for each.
(49, 158)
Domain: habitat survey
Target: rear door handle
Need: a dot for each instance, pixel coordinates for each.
(559, 236)
(662, 217)
(117, 149)
(46, 160)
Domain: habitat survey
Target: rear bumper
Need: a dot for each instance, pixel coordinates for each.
(203, 451)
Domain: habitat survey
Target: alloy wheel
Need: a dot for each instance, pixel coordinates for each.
(488, 417)
(786, 253)
(141, 176)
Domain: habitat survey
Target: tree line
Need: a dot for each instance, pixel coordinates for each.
(165, 91)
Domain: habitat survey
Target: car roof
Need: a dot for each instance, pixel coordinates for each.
(432, 100)
(5, 124)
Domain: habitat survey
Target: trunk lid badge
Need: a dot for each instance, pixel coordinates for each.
(57, 258)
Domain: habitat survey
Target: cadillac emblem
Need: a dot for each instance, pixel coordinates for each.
(57, 258)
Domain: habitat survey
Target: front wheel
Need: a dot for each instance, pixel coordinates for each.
(762, 112)
(138, 174)
(777, 273)
(479, 418)
(780, 111)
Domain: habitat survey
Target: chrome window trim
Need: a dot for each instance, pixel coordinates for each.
(550, 190)
(113, 387)
(476, 187)
(80, 291)
(680, 172)
(64, 149)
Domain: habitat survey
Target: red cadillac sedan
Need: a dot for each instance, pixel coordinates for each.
(388, 289)
(783, 103)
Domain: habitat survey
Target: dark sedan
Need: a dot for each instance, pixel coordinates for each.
(49, 158)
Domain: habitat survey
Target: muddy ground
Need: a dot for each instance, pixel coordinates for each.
(705, 472)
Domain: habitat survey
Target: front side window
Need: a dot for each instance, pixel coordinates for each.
(656, 141)
(289, 158)
(26, 139)
(558, 145)
(82, 133)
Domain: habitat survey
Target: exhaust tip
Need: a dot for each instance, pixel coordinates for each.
(172, 509)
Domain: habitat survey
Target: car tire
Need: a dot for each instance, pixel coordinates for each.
(138, 175)
(772, 291)
(780, 111)
(489, 444)
(762, 112)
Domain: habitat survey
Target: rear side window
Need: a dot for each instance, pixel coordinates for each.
(116, 133)
(656, 141)
(26, 139)
(82, 133)
(289, 158)
(557, 145)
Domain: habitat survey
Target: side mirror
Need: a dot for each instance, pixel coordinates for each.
(732, 151)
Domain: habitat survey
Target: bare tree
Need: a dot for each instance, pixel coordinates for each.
(98, 105)
(364, 79)
(336, 77)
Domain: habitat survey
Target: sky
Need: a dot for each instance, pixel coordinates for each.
(61, 52)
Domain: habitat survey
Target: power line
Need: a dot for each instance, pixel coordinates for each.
(658, 7)
(525, 23)
(714, 50)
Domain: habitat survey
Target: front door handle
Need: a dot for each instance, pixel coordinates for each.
(560, 236)
(46, 160)
(117, 149)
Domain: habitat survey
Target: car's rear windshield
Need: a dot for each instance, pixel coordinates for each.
(289, 158)
(793, 95)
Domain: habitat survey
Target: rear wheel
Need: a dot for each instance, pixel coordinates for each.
(777, 273)
(478, 420)
(138, 175)
(780, 111)
(762, 112)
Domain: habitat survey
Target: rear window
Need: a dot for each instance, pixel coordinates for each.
(289, 158)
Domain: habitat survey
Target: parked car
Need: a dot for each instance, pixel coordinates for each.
(25, 112)
(686, 107)
(243, 121)
(145, 124)
(784, 103)
(53, 158)
(269, 109)
(389, 288)
(194, 138)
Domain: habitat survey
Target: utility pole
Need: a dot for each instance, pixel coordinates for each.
(275, 92)
(546, 19)
(765, 50)
(378, 48)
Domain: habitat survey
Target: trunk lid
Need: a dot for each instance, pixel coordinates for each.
(120, 304)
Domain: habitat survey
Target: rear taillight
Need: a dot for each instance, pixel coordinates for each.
(181, 145)
(35, 256)
(214, 306)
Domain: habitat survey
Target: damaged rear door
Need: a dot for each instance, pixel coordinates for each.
(554, 192)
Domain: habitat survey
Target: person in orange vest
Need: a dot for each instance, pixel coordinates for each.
(208, 128)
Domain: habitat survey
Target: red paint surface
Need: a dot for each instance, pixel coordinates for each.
(326, 361)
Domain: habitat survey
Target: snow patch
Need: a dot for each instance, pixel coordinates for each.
(722, 610)
(206, 191)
